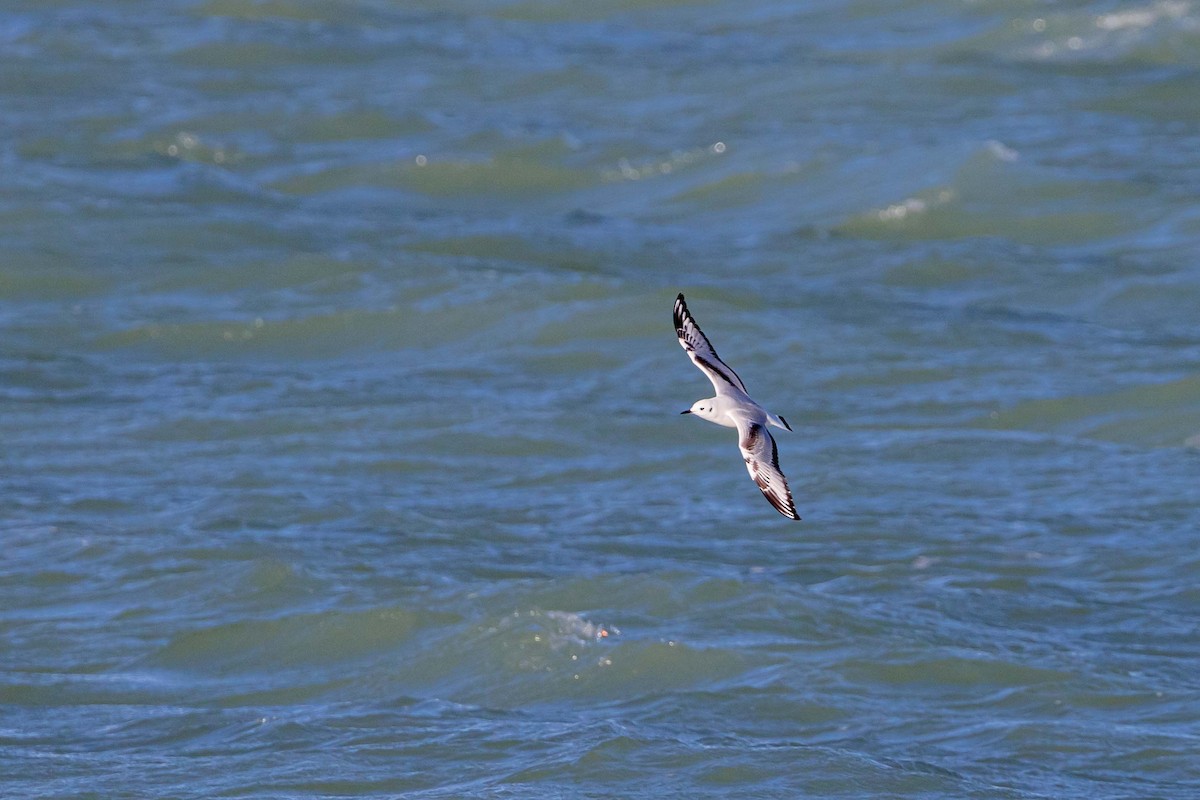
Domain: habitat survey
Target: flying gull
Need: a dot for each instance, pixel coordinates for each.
(733, 408)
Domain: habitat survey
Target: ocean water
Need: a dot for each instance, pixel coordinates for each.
(340, 452)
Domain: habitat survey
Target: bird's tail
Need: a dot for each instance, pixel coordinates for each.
(778, 421)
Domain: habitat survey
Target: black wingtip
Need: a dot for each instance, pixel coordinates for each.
(787, 509)
(679, 312)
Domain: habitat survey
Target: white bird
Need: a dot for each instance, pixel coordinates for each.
(733, 408)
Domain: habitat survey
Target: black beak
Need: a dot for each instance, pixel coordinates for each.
(686, 412)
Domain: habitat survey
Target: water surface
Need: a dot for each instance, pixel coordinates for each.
(339, 399)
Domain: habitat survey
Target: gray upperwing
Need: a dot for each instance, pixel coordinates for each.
(702, 353)
(762, 462)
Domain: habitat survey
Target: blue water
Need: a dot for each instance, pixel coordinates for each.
(340, 452)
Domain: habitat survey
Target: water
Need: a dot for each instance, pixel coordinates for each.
(339, 399)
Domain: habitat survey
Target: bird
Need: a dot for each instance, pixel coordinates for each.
(733, 407)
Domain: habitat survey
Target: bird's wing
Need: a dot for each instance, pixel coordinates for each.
(701, 351)
(762, 462)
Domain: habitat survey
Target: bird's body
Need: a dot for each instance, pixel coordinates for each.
(732, 407)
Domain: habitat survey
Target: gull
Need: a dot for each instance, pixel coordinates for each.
(733, 408)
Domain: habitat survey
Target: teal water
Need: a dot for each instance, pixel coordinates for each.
(340, 452)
